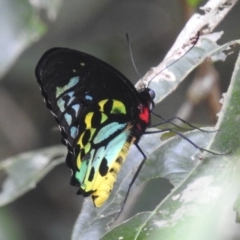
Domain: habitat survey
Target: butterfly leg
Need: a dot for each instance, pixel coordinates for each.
(187, 139)
(180, 119)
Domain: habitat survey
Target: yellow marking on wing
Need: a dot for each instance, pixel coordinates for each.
(78, 161)
(101, 104)
(88, 119)
(118, 107)
(80, 140)
(87, 147)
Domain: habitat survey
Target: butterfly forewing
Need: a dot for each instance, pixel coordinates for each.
(73, 81)
(97, 110)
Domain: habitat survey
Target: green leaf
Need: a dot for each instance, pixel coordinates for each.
(194, 3)
(93, 221)
(165, 82)
(190, 209)
(236, 208)
(20, 27)
(175, 159)
(21, 173)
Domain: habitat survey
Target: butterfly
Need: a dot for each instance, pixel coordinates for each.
(100, 115)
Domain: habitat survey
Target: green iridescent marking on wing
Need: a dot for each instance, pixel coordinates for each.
(99, 155)
(114, 146)
(105, 184)
(73, 81)
(61, 103)
(68, 118)
(76, 108)
(109, 153)
(83, 173)
(87, 147)
(73, 131)
(107, 131)
(118, 107)
(104, 117)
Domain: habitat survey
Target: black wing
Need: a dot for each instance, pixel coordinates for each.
(73, 82)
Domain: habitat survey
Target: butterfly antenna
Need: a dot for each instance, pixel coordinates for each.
(131, 56)
(188, 140)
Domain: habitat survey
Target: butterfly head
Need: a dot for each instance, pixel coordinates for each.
(148, 96)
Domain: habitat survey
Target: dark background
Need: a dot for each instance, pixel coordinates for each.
(98, 27)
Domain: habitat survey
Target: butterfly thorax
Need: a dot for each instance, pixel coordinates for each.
(144, 112)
